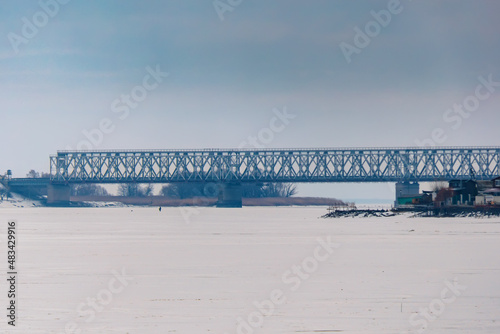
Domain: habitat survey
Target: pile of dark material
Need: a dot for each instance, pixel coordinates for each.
(474, 212)
(359, 213)
(450, 211)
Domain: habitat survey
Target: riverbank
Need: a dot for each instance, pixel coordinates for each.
(206, 201)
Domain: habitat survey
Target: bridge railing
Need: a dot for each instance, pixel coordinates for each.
(311, 149)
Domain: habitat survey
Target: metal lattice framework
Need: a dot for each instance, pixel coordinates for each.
(28, 182)
(287, 165)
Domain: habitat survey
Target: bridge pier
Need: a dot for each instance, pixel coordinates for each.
(230, 195)
(58, 194)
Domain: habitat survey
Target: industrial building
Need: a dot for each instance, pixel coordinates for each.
(491, 195)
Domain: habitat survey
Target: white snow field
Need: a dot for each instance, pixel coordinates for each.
(250, 270)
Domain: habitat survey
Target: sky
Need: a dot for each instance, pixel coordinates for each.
(150, 74)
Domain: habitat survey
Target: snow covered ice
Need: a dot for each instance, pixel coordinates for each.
(251, 270)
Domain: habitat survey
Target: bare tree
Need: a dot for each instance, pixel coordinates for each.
(279, 190)
(439, 185)
(252, 190)
(135, 190)
(89, 190)
(185, 190)
(288, 189)
(147, 190)
(170, 190)
(443, 195)
(4, 192)
(33, 174)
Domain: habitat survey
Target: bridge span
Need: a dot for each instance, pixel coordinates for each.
(232, 167)
(284, 165)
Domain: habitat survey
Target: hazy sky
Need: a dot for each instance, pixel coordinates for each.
(348, 73)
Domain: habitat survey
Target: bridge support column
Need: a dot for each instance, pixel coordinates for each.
(230, 196)
(405, 192)
(58, 194)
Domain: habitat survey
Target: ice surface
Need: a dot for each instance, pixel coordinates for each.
(200, 270)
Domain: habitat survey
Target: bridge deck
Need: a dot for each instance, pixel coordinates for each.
(28, 182)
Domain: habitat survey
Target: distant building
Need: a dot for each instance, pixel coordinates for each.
(406, 193)
(490, 196)
(496, 182)
(464, 192)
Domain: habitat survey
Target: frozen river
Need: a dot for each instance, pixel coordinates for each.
(250, 270)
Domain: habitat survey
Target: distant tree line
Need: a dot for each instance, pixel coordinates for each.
(251, 190)
(188, 190)
(135, 190)
(179, 190)
(33, 174)
(88, 189)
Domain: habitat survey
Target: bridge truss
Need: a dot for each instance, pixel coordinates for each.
(286, 165)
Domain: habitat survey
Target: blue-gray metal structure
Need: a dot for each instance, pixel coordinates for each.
(276, 165)
(28, 182)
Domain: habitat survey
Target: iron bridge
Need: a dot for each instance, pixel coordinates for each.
(276, 165)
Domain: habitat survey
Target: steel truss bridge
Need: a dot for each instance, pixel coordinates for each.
(276, 165)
